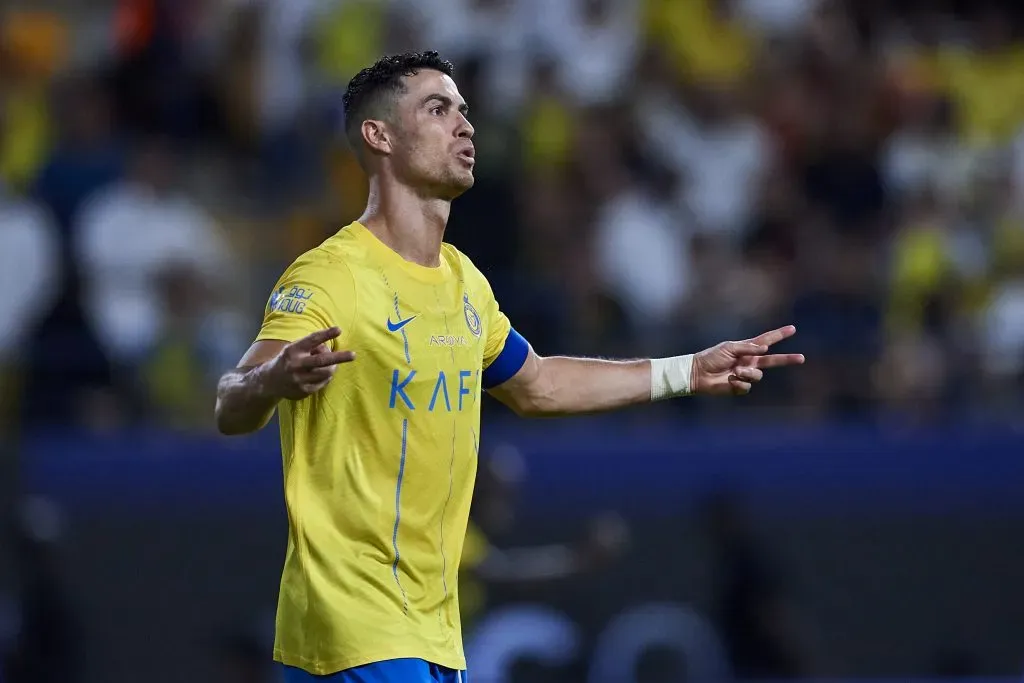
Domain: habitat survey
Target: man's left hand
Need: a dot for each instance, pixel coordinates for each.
(733, 367)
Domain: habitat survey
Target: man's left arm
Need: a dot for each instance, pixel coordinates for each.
(556, 386)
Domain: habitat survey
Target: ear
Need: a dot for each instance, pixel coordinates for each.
(376, 136)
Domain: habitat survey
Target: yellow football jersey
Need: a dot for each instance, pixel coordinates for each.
(379, 467)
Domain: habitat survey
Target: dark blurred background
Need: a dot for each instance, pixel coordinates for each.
(654, 176)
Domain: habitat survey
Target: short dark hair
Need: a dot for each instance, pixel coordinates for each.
(371, 92)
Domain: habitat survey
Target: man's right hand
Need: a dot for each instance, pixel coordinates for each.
(305, 366)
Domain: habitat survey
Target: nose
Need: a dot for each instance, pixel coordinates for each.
(465, 128)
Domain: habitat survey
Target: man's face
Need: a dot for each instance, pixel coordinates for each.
(434, 147)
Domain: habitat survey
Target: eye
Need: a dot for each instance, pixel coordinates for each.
(437, 110)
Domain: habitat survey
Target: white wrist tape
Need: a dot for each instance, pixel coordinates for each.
(670, 377)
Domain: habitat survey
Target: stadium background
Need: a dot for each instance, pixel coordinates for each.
(654, 176)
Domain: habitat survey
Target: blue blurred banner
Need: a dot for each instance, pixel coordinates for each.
(582, 464)
(884, 537)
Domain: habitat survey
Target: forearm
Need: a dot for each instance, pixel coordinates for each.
(549, 387)
(570, 386)
(557, 386)
(244, 403)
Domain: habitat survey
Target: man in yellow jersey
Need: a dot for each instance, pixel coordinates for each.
(375, 348)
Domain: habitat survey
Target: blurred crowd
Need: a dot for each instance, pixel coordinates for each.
(654, 176)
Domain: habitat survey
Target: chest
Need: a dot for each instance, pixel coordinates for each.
(423, 342)
(430, 316)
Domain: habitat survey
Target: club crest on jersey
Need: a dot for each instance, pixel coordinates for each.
(472, 319)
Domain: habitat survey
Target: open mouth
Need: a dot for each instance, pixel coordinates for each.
(467, 155)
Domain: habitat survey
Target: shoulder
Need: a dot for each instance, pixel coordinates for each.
(342, 250)
(320, 272)
(329, 260)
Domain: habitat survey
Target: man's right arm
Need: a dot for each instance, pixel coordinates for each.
(271, 371)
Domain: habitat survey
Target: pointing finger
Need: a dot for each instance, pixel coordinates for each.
(747, 348)
(324, 360)
(779, 360)
(775, 336)
(311, 341)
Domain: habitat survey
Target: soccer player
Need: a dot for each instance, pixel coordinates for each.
(375, 347)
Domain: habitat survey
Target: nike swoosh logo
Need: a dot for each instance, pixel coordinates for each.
(395, 327)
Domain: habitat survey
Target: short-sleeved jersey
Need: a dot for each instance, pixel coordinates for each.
(379, 467)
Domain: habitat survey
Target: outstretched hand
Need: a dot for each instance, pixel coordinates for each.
(733, 367)
(306, 366)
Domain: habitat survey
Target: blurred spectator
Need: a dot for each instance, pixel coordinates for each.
(68, 376)
(154, 76)
(923, 260)
(350, 35)
(30, 278)
(924, 154)
(1002, 330)
(157, 277)
(548, 121)
(282, 89)
(984, 79)
(284, 28)
(88, 155)
(838, 318)
(642, 244)
(464, 29)
(776, 18)
(33, 46)
(704, 39)
(650, 174)
(595, 45)
(719, 151)
(843, 177)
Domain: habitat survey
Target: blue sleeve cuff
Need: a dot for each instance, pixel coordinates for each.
(508, 362)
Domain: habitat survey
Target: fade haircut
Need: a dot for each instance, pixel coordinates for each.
(372, 92)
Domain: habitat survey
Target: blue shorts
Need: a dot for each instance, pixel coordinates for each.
(391, 671)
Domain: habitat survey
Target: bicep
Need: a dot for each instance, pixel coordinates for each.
(516, 391)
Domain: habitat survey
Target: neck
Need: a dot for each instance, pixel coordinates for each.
(410, 224)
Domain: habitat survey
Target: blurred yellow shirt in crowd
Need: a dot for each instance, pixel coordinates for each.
(988, 90)
(1008, 244)
(703, 46)
(36, 43)
(175, 384)
(548, 134)
(920, 266)
(349, 38)
(25, 129)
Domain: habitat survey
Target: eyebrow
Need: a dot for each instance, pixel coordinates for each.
(446, 101)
